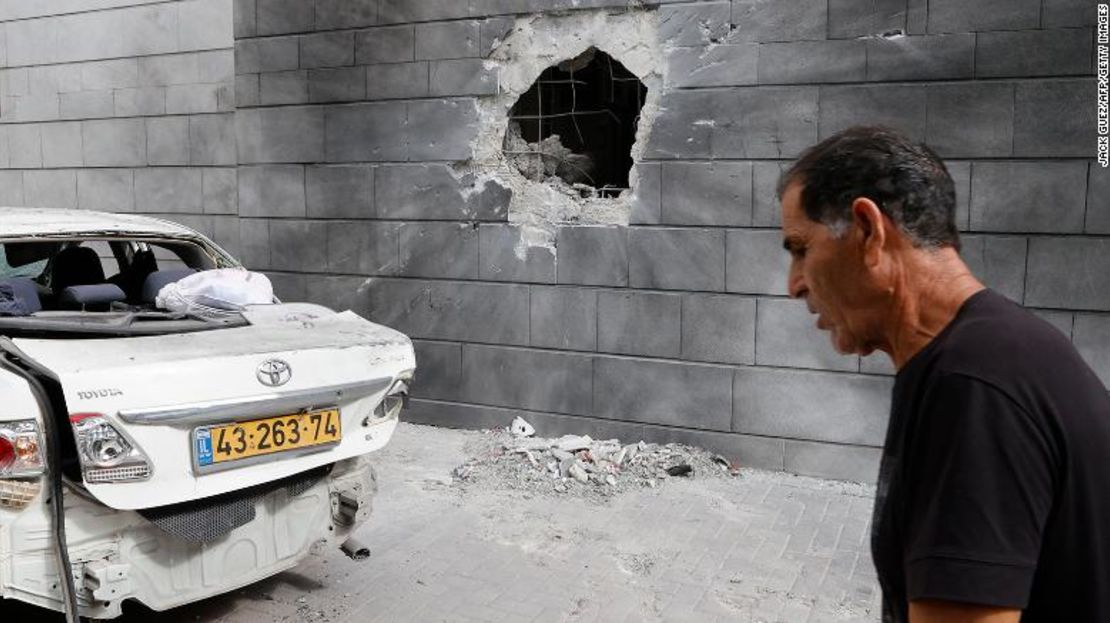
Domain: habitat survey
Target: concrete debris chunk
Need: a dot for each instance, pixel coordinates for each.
(521, 428)
(573, 443)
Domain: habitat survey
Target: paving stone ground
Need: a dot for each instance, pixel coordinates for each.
(760, 547)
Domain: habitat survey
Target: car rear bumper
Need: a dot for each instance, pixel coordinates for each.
(120, 555)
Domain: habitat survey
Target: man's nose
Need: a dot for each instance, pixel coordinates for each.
(795, 282)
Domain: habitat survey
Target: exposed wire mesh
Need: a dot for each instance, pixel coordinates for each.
(578, 123)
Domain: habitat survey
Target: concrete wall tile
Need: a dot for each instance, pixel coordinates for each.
(397, 81)
(1054, 118)
(1098, 208)
(506, 256)
(779, 20)
(492, 32)
(766, 122)
(275, 191)
(960, 172)
(167, 140)
(447, 40)
(363, 247)
(11, 188)
(347, 84)
(1061, 13)
(439, 250)
(674, 394)
(818, 406)
(646, 194)
(188, 99)
(756, 262)
(713, 66)
(331, 49)
(998, 261)
(339, 293)
(676, 259)
(61, 145)
(254, 241)
(1028, 196)
(86, 104)
(283, 87)
(212, 139)
(932, 57)
(111, 74)
(441, 129)
(114, 143)
(106, 190)
(169, 190)
(539, 380)
(339, 191)
(366, 132)
(639, 323)
(901, 107)
(300, 246)
(707, 193)
(205, 24)
(168, 69)
(694, 24)
(404, 11)
(25, 146)
(1069, 273)
(686, 130)
(564, 318)
(345, 13)
(787, 336)
(1092, 340)
(1063, 321)
(1057, 52)
(766, 210)
(877, 362)
(270, 54)
(718, 328)
(221, 190)
(55, 188)
(592, 256)
(391, 44)
(970, 120)
(140, 101)
(957, 16)
(248, 90)
(826, 460)
(457, 311)
(849, 19)
(280, 135)
(418, 191)
(439, 370)
(809, 62)
(243, 18)
(275, 17)
(465, 76)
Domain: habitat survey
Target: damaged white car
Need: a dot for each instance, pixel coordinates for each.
(168, 455)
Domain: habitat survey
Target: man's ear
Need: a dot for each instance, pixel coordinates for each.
(872, 227)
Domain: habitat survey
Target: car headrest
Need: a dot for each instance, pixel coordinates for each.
(75, 266)
(24, 297)
(158, 279)
(93, 295)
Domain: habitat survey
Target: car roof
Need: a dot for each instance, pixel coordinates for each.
(21, 222)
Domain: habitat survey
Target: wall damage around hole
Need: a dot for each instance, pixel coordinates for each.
(542, 200)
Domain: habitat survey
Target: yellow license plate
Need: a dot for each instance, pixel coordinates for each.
(241, 440)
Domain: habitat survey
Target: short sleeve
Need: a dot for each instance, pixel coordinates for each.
(980, 473)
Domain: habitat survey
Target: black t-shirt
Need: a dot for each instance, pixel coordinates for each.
(994, 487)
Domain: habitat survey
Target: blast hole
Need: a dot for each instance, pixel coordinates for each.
(577, 123)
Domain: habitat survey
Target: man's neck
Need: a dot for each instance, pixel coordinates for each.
(932, 287)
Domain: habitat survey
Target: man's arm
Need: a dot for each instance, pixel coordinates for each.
(928, 611)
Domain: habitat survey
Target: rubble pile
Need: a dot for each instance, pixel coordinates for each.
(577, 464)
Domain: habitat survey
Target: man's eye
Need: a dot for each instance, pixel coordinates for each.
(798, 252)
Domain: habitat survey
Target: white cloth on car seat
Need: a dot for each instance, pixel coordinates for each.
(226, 289)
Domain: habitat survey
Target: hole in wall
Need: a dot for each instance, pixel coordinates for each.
(577, 123)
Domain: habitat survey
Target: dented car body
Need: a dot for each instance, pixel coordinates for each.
(168, 456)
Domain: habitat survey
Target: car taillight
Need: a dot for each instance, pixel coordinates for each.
(106, 453)
(20, 449)
(390, 406)
(21, 463)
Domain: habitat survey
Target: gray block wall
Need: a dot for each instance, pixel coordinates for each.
(122, 106)
(325, 151)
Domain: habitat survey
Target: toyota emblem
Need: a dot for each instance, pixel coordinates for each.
(274, 372)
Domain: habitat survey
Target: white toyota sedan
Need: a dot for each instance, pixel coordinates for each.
(168, 455)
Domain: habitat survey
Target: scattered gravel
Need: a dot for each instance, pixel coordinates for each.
(579, 466)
